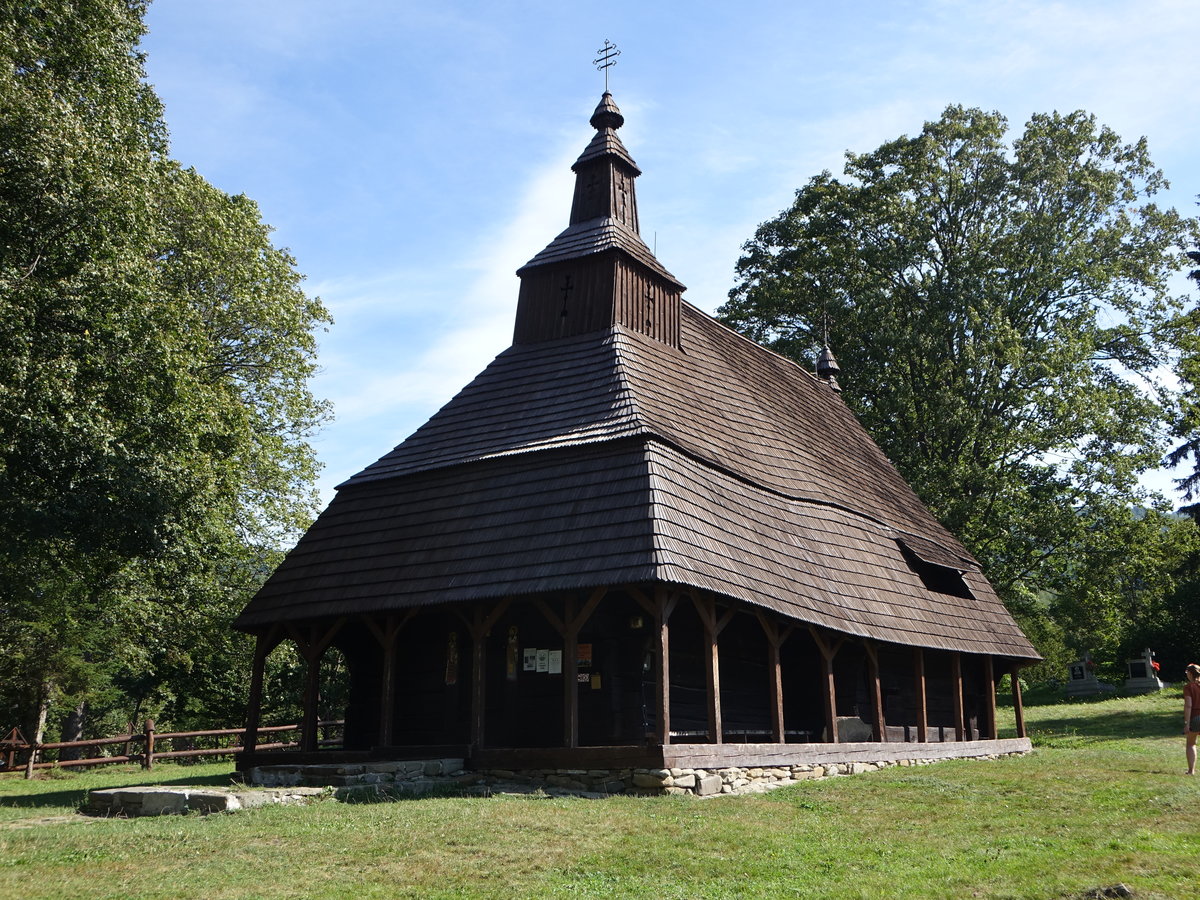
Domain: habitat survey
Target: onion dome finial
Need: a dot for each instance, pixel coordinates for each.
(607, 115)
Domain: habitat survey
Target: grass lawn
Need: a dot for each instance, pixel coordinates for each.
(1102, 801)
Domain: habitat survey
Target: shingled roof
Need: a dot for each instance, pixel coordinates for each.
(613, 457)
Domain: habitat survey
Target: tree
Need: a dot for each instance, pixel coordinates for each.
(998, 313)
(1187, 423)
(154, 354)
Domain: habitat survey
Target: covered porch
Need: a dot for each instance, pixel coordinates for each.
(634, 676)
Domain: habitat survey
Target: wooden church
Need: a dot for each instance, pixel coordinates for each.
(636, 538)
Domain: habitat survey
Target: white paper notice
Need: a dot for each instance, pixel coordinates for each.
(543, 660)
(555, 662)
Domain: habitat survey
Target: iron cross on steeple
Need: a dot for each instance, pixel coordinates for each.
(606, 59)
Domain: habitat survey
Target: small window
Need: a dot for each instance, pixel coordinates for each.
(935, 576)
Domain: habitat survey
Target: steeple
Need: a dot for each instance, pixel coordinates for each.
(599, 272)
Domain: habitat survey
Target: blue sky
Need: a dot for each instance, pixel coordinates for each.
(413, 155)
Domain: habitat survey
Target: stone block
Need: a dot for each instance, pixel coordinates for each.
(384, 768)
(275, 775)
(652, 780)
(709, 785)
(683, 781)
(211, 801)
(611, 787)
(318, 775)
(154, 802)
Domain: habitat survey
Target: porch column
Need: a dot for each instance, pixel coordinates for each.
(312, 700)
(1018, 708)
(312, 647)
(989, 706)
(480, 626)
(568, 628)
(880, 727)
(828, 652)
(264, 643)
(775, 638)
(386, 635)
(956, 687)
(919, 689)
(664, 605)
(706, 609)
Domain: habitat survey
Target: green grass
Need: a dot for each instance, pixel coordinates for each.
(1102, 801)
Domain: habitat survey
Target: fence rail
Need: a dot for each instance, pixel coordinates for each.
(18, 755)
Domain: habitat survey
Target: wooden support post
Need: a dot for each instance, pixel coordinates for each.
(1018, 708)
(880, 727)
(312, 647)
(387, 691)
(919, 689)
(775, 638)
(828, 652)
(570, 669)
(481, 624)
(478, 695)
(989, 705)
(706, 609)
(956, 686)
(664, 605)
(148, 737)
(568, 628)
(263, 645)
(386, 635)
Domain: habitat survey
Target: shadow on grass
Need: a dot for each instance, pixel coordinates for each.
(73, 797)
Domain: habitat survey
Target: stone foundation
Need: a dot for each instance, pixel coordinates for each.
(363, 780)
(695, 781)
(383, 780)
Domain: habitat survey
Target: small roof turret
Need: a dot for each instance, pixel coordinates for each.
(828, 369)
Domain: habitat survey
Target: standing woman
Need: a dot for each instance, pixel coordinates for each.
(1191, 714)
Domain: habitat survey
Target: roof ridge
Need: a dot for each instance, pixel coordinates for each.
(713, 320)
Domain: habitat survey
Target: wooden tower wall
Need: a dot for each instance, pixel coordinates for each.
(592, 294)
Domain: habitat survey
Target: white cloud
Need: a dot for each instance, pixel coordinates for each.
(386, 378)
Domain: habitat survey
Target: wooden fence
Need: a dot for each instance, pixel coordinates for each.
(146, 747)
